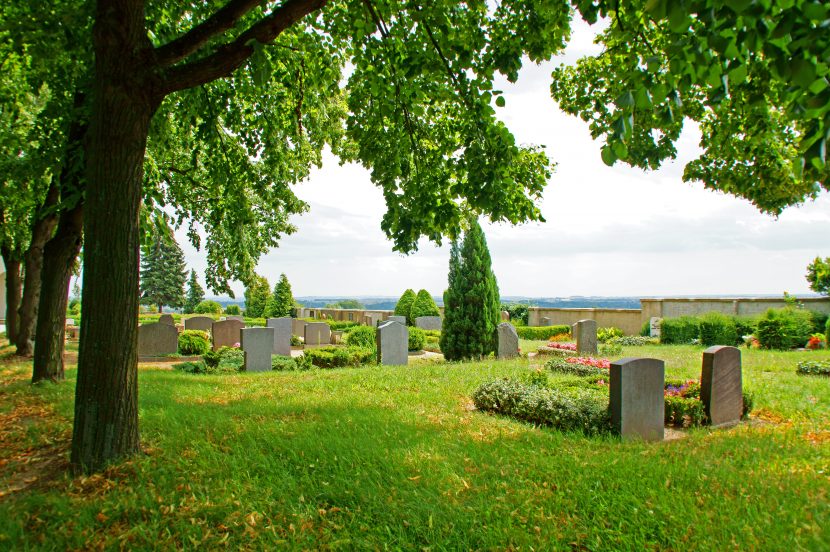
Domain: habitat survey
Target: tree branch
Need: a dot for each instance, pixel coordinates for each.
(229, 57)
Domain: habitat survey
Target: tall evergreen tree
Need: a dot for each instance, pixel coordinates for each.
(257, 295)
(163, 273)
(281, 303)
(195, 294)
(404, 305)
(471, 304)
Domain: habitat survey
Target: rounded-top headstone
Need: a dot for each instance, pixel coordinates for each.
(721, 385)
(167, 319)
(202, 323)
(637, 398)
(392, 343)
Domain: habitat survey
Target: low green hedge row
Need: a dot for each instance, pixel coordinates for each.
(338, 357)
(633, 341)
(813, 368)
(541, 332)
(560, 365)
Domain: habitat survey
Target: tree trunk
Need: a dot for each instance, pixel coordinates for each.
(44, 225)
(12, 292)
(106, 396)
(59, 259)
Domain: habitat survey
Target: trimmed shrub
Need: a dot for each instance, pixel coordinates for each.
(634, 341)
(771, 333)
(208, 307)
(338, 357)
(562, 366)
(423, 305)
(565, 409)
(404, 306)
(340, 325)
(226, 359)
(819, 321)
(604, 334)
(785, 328)
(280, 362)
(718, 329)
(417, 339)
(193, 342)
(195, 367)
(813, 368)
(645, 329)
(233, 310)
(362, 336)
(680, 331)
(540, 333)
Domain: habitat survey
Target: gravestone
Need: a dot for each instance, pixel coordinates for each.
(428, 322)
(282, 335)
(201, 323)
(317, 333)
(505, 316)
(257, 344)
(373, 319)
(586, 337)
(337, 337)
(167, 319)
(545, 321)
(226, 333)
(398, 319)
(721, 387)
(637, 398)
(157, 339)
(235, 317)
(508, 340)
(654, 326)
(298, 327)
(393, 343)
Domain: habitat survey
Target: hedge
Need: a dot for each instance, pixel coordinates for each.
(193, 342)
(681, 331)
(541, 332)
(417, 339)
(338, 357)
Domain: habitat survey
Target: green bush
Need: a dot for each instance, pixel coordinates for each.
(566, 409)
(818, 320)
(282, 363)
(362, 336)
(193, 342)
(610, 349)
(645, 329)
(417, 339)
(785, 328)
(195, 367)
(745, 325)
(296, 341)
(208, 307)
(338, 357)
(680, 331)
(684, 411)
(423, 305)
(404, 306)
(541, 332)
(718, 329)
(634, 341)
(562, 366)
(771, 334)
(233, 310)
(604, 334)
(519, 312)
(226, 359)
(813, 368)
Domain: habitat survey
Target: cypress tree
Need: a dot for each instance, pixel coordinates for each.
(257, 295)
(195, 294)
(281, 303)
(404, 305)
(471, 304)
(163, 273)
(424, 305)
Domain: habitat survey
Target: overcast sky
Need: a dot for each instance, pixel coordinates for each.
(609, 230)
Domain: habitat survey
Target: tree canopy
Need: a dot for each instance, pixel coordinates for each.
(818, 275)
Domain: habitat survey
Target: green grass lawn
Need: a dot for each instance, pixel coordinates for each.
(376, 458)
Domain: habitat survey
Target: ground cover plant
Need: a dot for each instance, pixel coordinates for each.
(390, 457)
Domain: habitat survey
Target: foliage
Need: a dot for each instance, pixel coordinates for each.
(827, 332)
(339, 357)
(226, 360)
(813, 368)
(362, 336)
(193, 367)
(518, 312)
(819, 320)
(634, 341)
(163, 272)
(423, 305)
(816, 341)
(233, 310)
(818, 275)
(404, 306)
(257, 295)
(605, 334)
(682, 411)
(565, 409)
(645, 329)
(718, 329)
(471, 303)
(610, 349)
(785, 328)
(208, 307)
(283, 363)
(417, 339)
(193, 342)
(346, 304)
(281, 302)
(195, 294)
(572, 365)
(682, 330)
(542, 332)
(771, 333)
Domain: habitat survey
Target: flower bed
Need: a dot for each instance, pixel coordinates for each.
(813, 368)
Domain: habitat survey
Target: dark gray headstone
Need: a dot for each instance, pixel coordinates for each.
(428, 322)
(586, 337)
(167, 319)
(257, 344)
(201, 323)
(282, 335)
(393, 344)
(157, 339)
(226, 333)
(317, 333)
(637, 398)
(508, 340)
(398, 319)
(721, 386)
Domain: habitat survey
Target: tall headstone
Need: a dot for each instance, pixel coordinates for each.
(298, 327)
(654, 326)
(637, 398)
(428, 322)
(721, 386)
(257, 344)
(398, 319)
(167, 319)
(157, 339)
(201, 323)
(226, 333)
(586, 337)
(393, 343)
(282, 335)
(317, 333)
(505, 316)
(508, 340)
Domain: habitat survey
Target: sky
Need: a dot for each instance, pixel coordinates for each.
(609, 231)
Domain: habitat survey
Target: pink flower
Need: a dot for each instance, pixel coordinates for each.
(236, 345)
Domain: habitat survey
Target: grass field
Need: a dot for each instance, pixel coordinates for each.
(395, 458)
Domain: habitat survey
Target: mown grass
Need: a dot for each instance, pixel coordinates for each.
(374, 458)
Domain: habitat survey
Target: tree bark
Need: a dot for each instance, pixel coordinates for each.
(59, 259)
(42, 228)
(12, 292)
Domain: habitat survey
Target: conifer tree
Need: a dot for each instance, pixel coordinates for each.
(257, 295)
(471, 304)
(195, 294)
(424, 305)
(163, 273)
(404, 305)
(281, 303)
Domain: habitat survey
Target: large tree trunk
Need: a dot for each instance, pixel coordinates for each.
(59, 259)
(12, 263)
(42, 228)
(106, 396)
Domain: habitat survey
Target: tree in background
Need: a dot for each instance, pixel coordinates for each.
(208, 307)
(424, 305)
(281, 303)
(471, 303)
(818, 275)
(404, 305)
(346, 304)
(163, 273)
(233, 310)
(257, 295)
(195, 294)
(518, 311)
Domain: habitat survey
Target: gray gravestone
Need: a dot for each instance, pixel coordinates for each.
(167, 319)
(586, 337)
(721, 387)
(337, 337)
(157, 339)
(201, 323)
(373, 319)
(257, 344)
(637, 398)
(298, 327)
(428, 322)
(398, 319)
(505, 316)
(282, 335)
(545, 321)
(654, 326)
(226, 333)
(393, 344)
(317, 333)
(508, 340)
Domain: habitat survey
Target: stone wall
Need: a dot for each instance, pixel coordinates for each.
(342, 315)
(628, 320)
